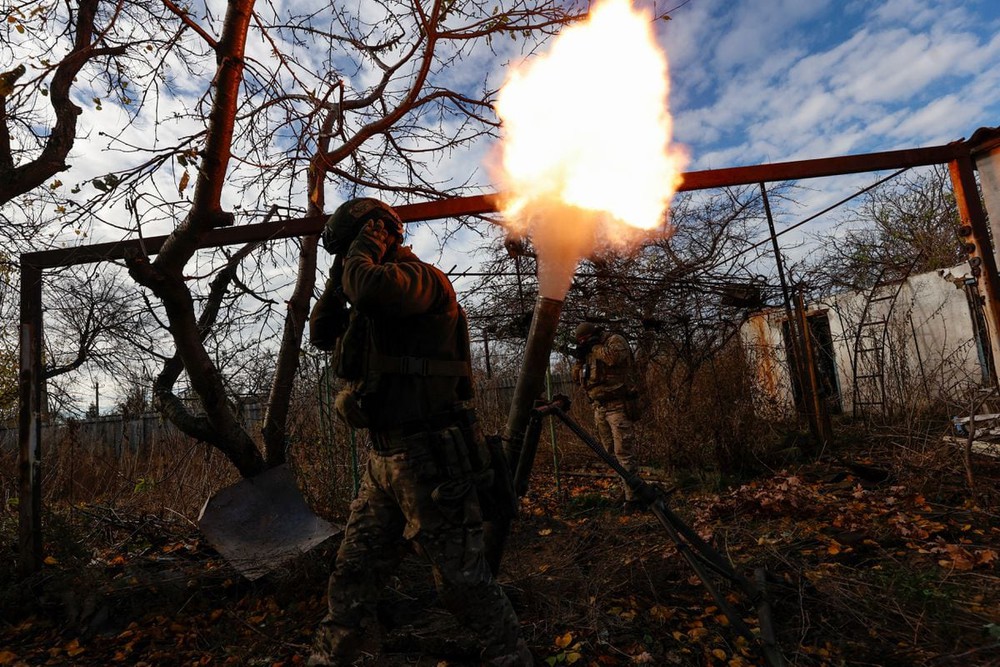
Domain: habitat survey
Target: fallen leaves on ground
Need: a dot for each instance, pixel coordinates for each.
(888, 573)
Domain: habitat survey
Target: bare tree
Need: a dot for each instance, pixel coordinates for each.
(904, 226)
(670, 295)
(364, 98)
(372, 136)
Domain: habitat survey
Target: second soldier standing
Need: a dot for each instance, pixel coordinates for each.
(604, 369)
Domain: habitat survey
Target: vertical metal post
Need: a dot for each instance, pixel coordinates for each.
(985, 151)
(982, 258)
(552, 432)
(786, 298)
(795, 351)
(486, 353)
(29, 457)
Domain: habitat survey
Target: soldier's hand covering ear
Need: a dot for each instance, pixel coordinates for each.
(372, 241)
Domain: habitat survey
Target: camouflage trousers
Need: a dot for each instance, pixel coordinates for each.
(405, 492)
(617, 434)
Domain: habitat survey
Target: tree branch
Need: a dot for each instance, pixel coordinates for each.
(186, 18)
(16, 181)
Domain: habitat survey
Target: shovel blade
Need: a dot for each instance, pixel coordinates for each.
(262, 522)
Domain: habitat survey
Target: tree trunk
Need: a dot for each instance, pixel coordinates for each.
(276, 419)
(164, 277)
(279, 400)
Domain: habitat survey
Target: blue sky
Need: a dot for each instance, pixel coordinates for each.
(757, 81)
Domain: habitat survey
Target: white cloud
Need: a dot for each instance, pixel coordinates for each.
(918, 14)
(760, 27)
(941, 121)
(801, 93)
(895, 65)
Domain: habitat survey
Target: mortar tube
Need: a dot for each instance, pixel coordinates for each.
(531, 379)
(530, 383)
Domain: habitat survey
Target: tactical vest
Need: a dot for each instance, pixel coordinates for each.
(361, 363)
(603, 379)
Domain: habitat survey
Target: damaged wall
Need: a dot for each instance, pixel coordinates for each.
(879, 350)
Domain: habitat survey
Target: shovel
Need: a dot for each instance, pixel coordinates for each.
(262, 522)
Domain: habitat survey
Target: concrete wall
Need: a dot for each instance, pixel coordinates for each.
(927, 345)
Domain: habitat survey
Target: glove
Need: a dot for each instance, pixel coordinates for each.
(347, 406)
(372, 241)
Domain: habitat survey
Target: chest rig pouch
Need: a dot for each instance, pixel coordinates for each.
(363, 366)
(349, 363)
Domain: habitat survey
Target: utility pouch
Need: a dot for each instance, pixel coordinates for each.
(452, 496)
(349, 409)
(353, 349)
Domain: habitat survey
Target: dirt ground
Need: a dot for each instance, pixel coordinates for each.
(872, 564)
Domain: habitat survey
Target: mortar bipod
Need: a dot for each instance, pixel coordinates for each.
(699, 555)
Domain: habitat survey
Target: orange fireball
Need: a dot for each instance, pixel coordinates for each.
(586, 148)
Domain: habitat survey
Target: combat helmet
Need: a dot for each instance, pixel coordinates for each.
(586, 330)
(351, 216)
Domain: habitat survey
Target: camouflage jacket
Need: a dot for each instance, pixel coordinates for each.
(605, 372)
(404, 322)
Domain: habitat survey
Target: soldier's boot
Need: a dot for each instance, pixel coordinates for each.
(334, 646)
(521, 657)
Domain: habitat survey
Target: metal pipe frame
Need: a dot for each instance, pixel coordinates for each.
(33, 265)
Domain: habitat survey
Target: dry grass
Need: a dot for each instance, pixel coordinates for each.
(120, 529)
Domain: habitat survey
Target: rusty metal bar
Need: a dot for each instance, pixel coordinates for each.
(820, 167)
(265, 231)
(982, 257)
(487, 203)
(985, 149)
(29, 453)
(102, 252)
